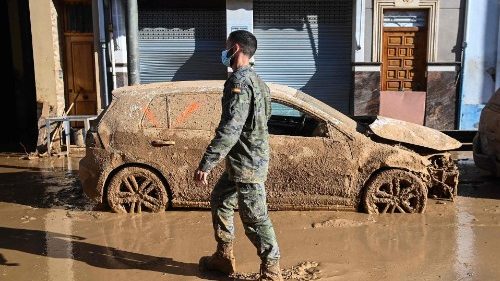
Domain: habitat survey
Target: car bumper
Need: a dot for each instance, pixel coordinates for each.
(444, 176)
(91, 174)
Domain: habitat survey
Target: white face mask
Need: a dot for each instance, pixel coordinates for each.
(225, 59)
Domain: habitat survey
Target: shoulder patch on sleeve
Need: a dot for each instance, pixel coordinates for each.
(236, 89)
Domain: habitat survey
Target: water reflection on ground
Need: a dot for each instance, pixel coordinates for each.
(50, 231)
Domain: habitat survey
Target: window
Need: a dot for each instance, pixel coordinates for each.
(286, 120)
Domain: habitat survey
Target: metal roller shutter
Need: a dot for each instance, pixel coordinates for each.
(179, 44)
(306, 45)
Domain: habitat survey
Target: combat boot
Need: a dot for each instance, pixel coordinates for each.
(222, 260)
(270, 271)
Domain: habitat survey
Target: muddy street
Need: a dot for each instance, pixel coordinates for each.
(50, 231)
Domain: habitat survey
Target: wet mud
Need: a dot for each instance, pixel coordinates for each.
(50, 231)
(42, 183)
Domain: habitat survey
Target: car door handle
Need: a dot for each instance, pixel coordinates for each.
(162, 142)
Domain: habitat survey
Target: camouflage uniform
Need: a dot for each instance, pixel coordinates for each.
(242, 137)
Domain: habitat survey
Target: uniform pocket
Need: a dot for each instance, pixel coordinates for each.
(252, 202)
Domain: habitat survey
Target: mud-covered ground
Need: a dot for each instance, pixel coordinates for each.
(49, 231)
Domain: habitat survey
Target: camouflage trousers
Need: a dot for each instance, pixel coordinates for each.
(250, 199)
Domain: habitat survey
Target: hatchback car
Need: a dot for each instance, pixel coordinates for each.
(486, 145)
(143, 149)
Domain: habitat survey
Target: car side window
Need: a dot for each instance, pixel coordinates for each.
(155, 114)
(194, 111)
(286, 120)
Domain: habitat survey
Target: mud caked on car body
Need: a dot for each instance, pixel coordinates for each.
(143, 149)
(486, 145)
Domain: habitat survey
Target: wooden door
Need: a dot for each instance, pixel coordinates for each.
(80, 74)
(79, 68)
(404, 59)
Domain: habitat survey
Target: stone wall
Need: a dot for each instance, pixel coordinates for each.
(366, 90)
(441, 100)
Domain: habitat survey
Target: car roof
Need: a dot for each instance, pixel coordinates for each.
(281, 93)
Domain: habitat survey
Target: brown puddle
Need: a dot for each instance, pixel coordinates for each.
(49, 231)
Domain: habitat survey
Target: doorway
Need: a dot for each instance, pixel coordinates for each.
(404, 50)
(18, 110)
(79, 70)
(404, 65)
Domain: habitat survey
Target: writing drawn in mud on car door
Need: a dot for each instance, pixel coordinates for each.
(180, 144)
(311, 162)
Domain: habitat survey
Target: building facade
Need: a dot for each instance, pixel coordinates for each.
(303, 44)
(481, 71)
(399, 58)
(411, 61)
(406, 59)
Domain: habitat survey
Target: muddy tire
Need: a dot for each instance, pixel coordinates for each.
(136, 189)
(395, 191)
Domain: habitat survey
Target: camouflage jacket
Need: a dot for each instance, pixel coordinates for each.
(242, 133)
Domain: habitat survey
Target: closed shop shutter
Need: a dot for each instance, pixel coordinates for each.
(306, 45)
(181, 44)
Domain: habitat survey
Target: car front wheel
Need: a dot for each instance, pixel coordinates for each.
(136, 189)
(395, 191)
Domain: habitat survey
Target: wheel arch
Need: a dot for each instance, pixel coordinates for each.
(140, 165)
(364, 186)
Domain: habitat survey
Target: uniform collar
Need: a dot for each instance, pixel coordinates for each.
(242, 68)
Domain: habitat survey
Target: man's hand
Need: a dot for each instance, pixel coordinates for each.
(200, 177)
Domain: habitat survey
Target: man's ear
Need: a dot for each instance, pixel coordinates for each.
(237, 48)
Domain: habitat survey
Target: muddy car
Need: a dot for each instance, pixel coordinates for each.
(143, 149)
(486, 145)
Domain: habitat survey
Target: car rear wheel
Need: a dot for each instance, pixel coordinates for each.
(137, 189)
(395, 191)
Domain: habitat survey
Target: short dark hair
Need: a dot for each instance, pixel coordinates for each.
(246, 40)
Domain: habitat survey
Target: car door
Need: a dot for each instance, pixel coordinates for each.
(311, 162)
(192, 119)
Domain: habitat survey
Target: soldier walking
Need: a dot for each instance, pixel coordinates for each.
(241, 138)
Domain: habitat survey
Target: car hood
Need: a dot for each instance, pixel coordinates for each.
(410, 133)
